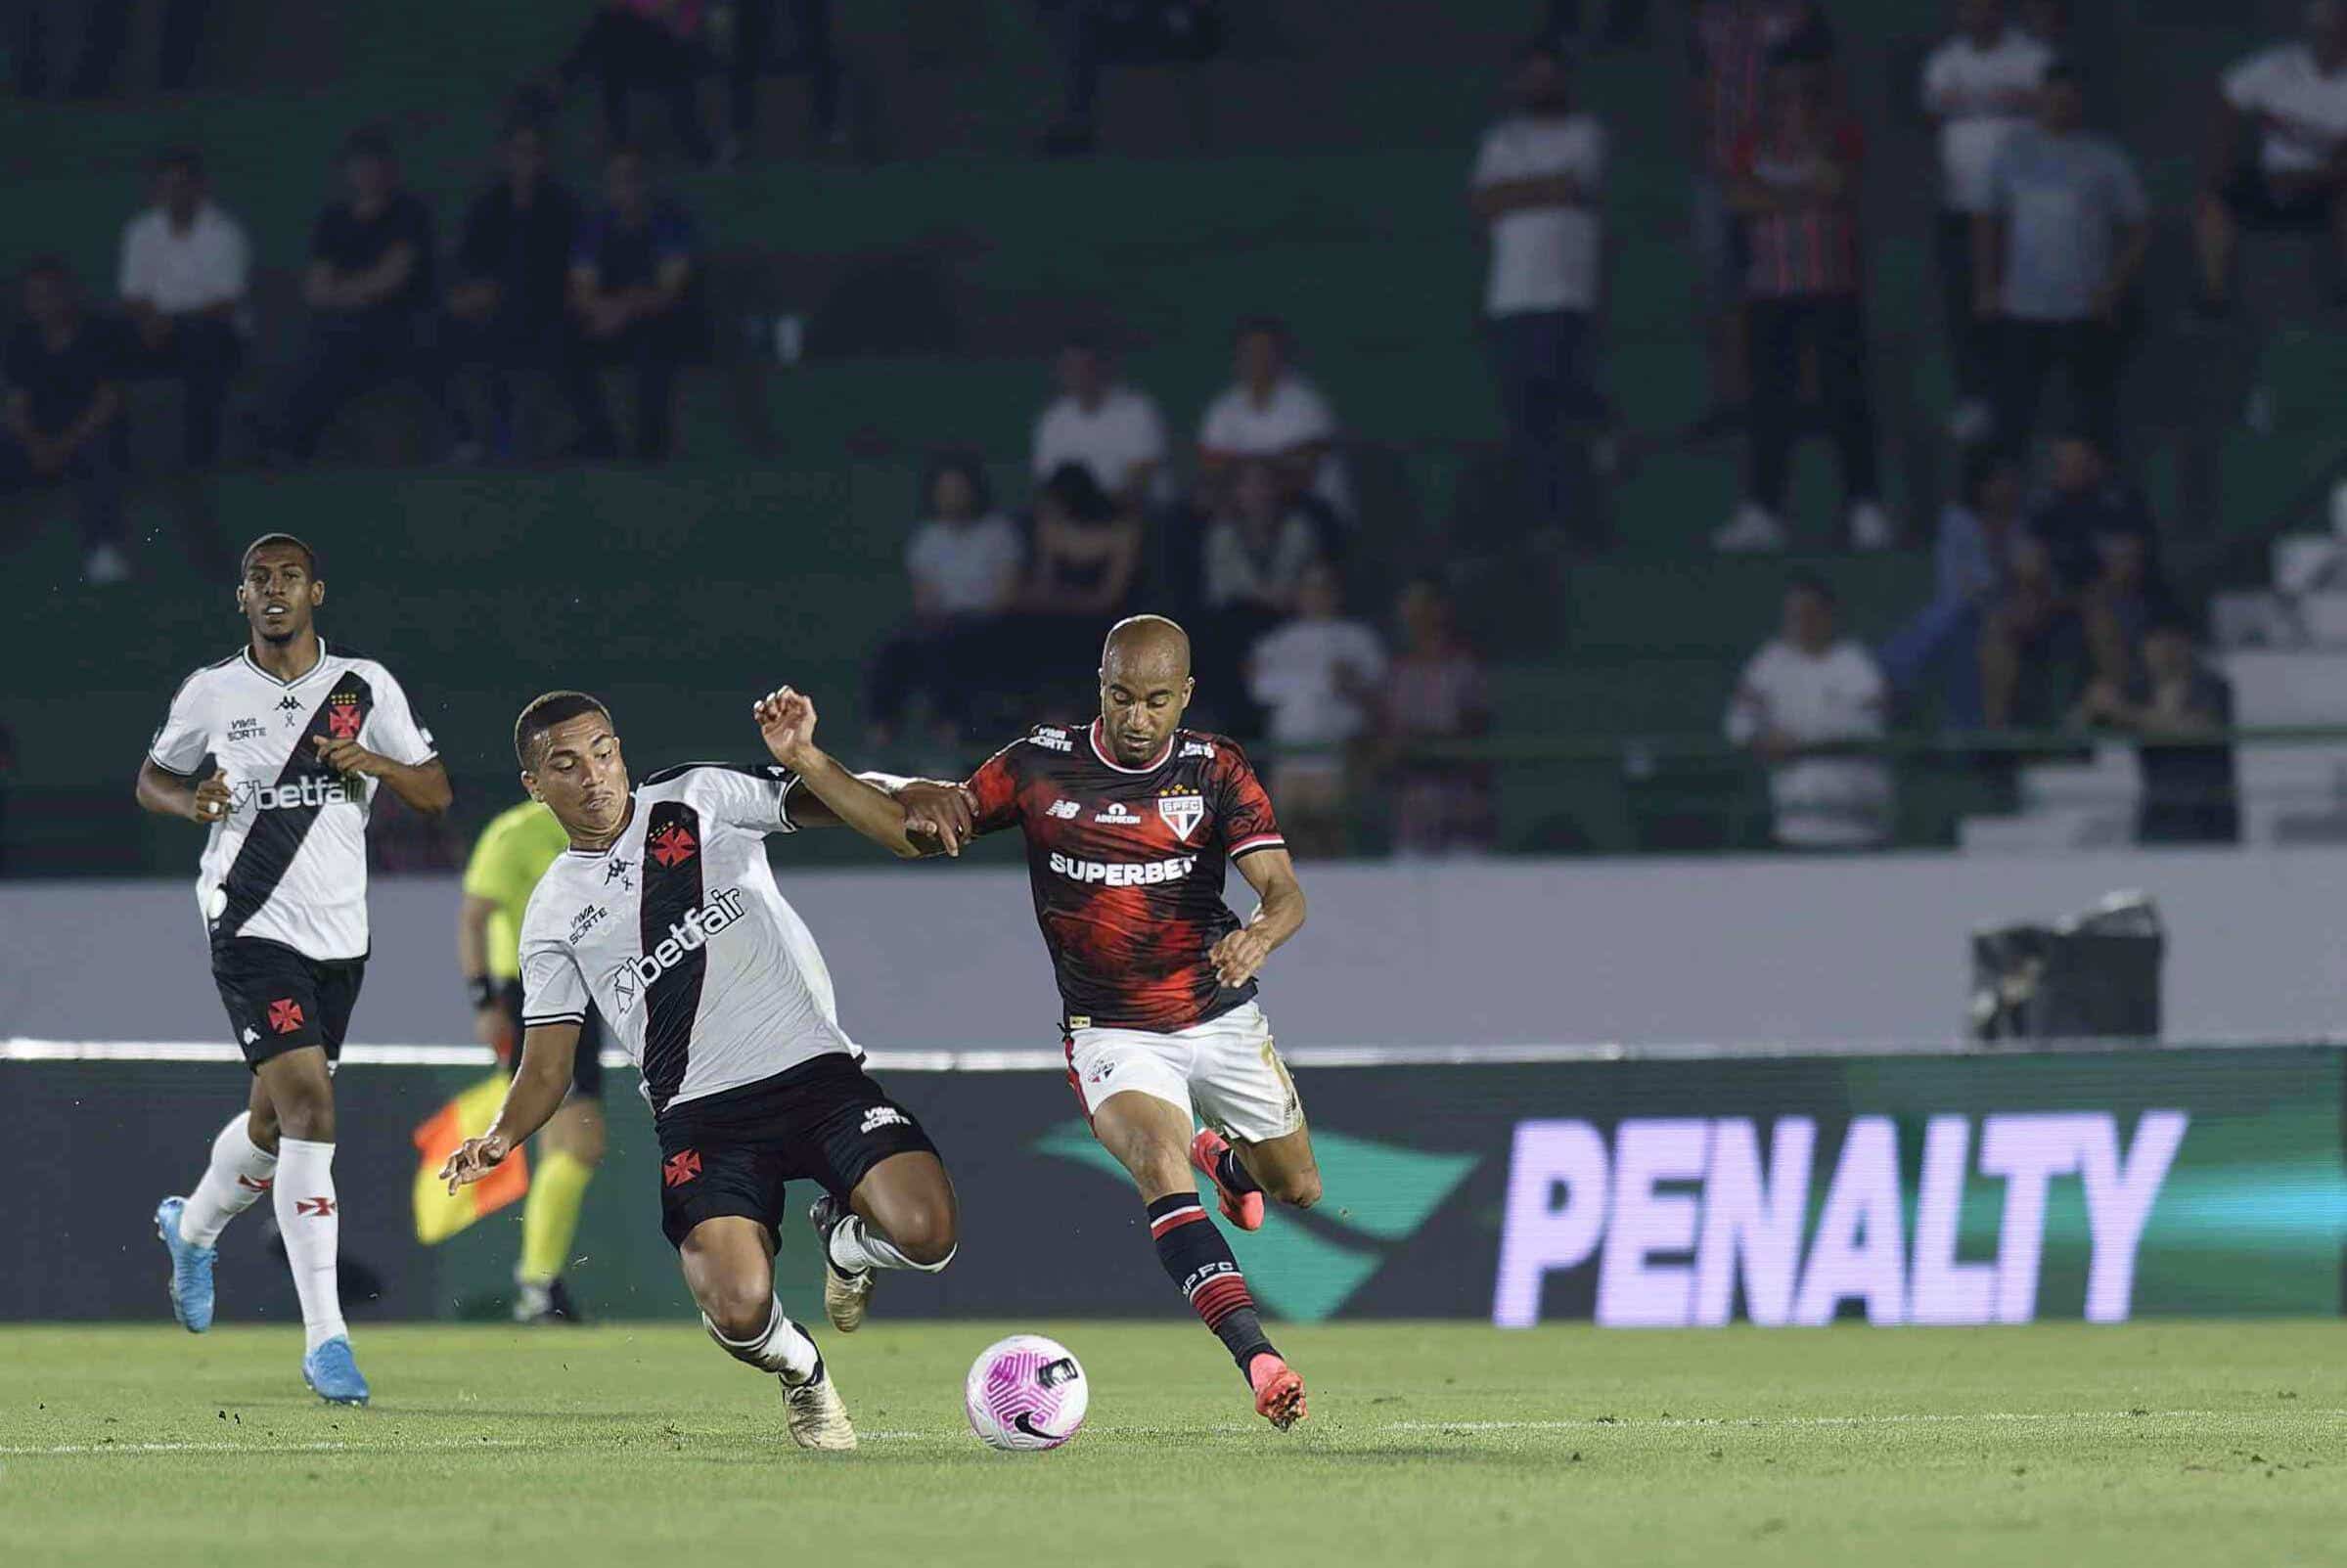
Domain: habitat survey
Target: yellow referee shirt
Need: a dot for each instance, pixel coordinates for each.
(512, 853)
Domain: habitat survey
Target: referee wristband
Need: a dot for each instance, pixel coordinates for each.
(482, 990)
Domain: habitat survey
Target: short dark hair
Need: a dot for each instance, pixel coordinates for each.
(309, 556)
(1809, 582)
(368, 141)
(544, 713)
(974, 473)
(182, 159)
(1271, 327)
(1073, 486)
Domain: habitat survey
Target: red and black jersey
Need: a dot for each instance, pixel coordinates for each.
(1127, 867)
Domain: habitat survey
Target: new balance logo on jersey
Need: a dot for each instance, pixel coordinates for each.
(308, 791)
(1144, 873)
(688, 934)
(1115, 813)
(881, 1116)
(1065, 810)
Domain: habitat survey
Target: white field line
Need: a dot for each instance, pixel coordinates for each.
(1587, 1423)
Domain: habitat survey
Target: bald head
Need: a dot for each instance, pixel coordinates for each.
(1147, 649)
(1144, 687)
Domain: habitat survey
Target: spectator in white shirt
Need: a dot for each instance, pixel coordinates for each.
(1110, 428)
(2293, 97)
(964, 561)
(1318, 679)
(1271, 412)
(1537, 185)
(1979, 87)
(185, 270)
(1253, 562)
(1809, 687)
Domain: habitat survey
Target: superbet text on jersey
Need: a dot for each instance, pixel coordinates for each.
(287, 864)
(1127, 868)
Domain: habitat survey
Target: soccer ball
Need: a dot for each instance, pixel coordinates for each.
(1026, 1392)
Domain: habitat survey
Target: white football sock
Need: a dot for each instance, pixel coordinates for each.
(239, 1174)
(311, 1219)
(783, 1349)
(856, 1246)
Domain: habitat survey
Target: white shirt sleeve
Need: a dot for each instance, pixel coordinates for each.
(2246, 86)
(136, 280)
(1367, 655)
(756, 798)
(1748, 708)
(552, 991)
(1311, 420)
(1216, 431)
(1590, 154)
(392, 727)
(1046, 444)
(922, 565)
(1936, 73)
(1858, 681)
(1006, 556)
(186, 734)
(1491, 159)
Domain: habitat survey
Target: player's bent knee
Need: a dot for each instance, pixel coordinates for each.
(738, 1315)
(1300, 1191)
(927, 1240)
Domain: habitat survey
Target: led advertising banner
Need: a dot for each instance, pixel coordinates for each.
(1965, 1189)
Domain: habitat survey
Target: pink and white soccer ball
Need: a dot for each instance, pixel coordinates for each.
(1026, 1392)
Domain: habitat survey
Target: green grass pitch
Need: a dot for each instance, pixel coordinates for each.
(2135, 1447)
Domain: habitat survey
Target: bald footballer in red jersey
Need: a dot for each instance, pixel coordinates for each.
(1129, 824)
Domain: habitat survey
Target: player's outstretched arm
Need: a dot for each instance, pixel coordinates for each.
(873, 805)
(539, 1084)
(171, 794)
(1271, 873)
(422, 786)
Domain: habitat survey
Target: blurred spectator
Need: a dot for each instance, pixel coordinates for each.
(1270, 411)
(964, 561)
(1084, 557)
(653, 45)
(104, 32)
(1258, 546)
(1980, 534)
(1317, 678)
(750, 57)
(512, 264)
(2294, 180)
(1796, 181)
(1088, 35)
(2086, 581)
(1732, 44)
(62, 403)
(1104, 424)
(185, 269)
(632, 277)
(2056, 255)
(1979, 87)
(1436, 691)
(2178, 709)
(2045, 20)
(1538, 187)
(369, 288)
(1807, 690)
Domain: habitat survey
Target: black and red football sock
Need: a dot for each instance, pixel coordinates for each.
(1198, 1261)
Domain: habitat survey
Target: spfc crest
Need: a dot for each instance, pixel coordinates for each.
(1183, 811)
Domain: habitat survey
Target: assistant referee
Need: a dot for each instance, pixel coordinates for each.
(512, 853)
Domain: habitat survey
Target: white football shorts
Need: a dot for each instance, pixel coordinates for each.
(1224, 1072)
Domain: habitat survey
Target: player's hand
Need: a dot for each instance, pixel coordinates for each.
(213, 798)
(943, 812)
(1237, 956)
(347, 756)
(493, 1027)
(474, 1158)
(786, 719)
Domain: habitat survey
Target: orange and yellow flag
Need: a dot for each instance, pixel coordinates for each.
(440, 1214)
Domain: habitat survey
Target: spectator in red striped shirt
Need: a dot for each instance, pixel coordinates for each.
(1796, 183)
(1730, 45)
